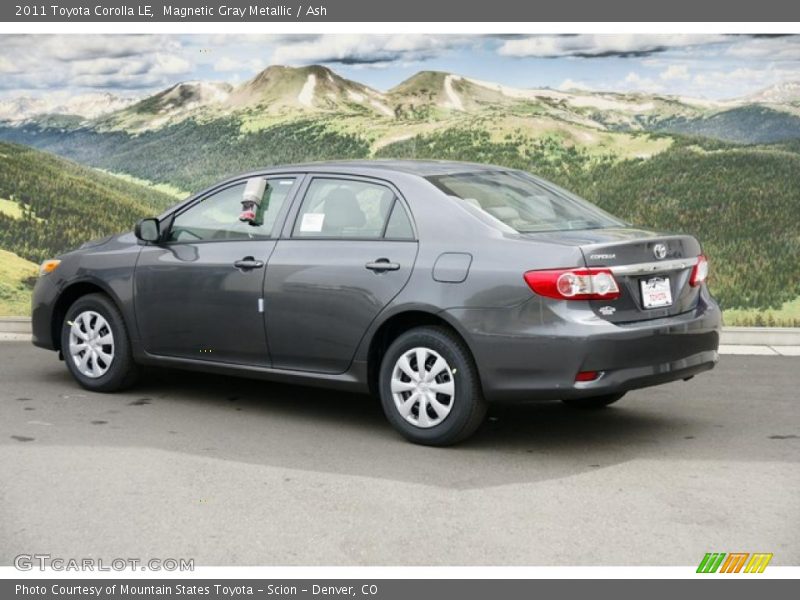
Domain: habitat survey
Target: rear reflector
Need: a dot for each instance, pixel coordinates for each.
(587, 375)
(699, 272)
(574, 284)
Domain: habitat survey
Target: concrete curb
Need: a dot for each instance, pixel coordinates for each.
(15, 325)
(771, 340)
(761, 336)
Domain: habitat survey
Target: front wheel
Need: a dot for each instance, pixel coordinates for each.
(429, 387)
(95, 345)
(593, 403)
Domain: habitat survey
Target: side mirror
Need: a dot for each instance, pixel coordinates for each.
(148, 230)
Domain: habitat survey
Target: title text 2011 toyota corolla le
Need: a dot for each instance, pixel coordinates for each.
(438, 286)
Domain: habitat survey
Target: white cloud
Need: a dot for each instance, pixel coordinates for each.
(675, 72)
(637, 83)
(226, 63)
(169, 64)
(598, 45)
(571, 84)
(363, 49)
(773, 48)
(84, 47)
(6, 66)
(52, 62)
(230, 64)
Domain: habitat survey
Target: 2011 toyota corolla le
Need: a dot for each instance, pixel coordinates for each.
(437, 286)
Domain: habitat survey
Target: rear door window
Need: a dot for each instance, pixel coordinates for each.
(345, 209)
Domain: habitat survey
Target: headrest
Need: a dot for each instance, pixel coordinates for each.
(342, 210)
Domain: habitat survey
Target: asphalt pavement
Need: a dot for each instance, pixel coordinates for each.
(238, 472)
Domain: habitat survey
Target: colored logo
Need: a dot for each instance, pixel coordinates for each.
(735, 562)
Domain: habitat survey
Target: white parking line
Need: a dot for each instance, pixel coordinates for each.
(787, 350)
(747, 349)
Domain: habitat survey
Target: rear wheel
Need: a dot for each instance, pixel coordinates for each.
(429, 387)
(96, 346)
(593, 403)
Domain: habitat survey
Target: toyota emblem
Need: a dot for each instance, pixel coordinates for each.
(660, 251)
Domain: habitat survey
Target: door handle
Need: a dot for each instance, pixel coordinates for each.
(381, 265)
(247, 263)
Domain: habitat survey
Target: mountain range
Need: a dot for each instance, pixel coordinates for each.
(281, 92)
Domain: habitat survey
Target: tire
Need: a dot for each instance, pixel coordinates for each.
(593, 403)
(453, 398)
(88, 323)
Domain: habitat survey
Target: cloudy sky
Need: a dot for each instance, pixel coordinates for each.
(710, 66)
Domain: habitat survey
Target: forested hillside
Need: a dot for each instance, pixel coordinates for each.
(744, 125)
(190, 155)
(49, 205)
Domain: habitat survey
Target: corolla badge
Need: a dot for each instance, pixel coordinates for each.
(660, 251)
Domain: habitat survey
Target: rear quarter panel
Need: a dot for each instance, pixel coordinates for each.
(499, 260)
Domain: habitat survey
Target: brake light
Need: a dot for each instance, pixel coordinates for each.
(699, 272)
(574, 284)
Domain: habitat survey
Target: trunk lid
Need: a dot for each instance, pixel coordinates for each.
(650, 268)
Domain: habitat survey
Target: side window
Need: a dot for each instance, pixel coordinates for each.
(399, 227)
(218, 217)
(341, 208)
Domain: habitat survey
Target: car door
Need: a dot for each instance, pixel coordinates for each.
(346, 252)
(198, 293)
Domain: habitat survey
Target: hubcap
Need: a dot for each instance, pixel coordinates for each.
(423, 388)
(91, 344)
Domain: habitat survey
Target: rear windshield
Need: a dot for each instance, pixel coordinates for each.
(522, 202)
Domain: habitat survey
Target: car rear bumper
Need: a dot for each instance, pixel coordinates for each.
(534, 351)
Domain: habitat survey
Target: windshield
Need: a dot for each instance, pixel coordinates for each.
(522, 202)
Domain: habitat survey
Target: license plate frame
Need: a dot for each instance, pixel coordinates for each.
(656, 292)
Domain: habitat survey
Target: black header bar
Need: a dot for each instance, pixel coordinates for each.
(494, 11)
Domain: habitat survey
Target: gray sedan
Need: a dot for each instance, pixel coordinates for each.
(437, 286)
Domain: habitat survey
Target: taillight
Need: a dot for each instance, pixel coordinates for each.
(574, 284)
(699, 272)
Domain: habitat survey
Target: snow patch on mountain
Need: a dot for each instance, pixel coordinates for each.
(306, 95)
(382, 107)
(453, 99)
(355, 96)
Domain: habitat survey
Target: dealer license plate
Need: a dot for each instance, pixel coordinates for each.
(656, 292)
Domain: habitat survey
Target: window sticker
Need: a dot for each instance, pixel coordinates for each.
(312, 222)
